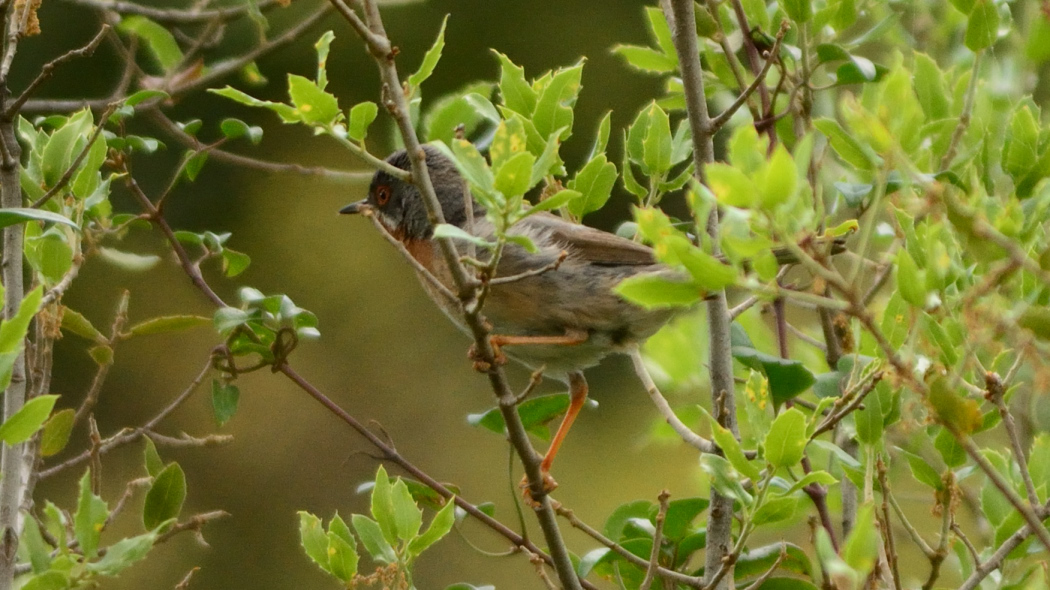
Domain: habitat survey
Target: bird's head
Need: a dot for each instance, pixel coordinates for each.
(398, 203)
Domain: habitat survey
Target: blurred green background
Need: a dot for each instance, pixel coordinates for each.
(386, 353)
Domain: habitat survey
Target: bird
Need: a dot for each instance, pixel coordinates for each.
(560, 315)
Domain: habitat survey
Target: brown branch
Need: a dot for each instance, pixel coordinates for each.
(129, 435)
(421, 270)
(91, 398)
(722, 118)
(48, 70)
(531, 273)
(173, 15)
(654, 555)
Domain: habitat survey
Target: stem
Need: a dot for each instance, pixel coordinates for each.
(720, 515)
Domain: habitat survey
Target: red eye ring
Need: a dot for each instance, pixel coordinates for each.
(382, 195)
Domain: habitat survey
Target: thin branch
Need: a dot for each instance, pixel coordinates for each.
(55, 293)
(769, 572)
(421, 270)
(722, 118)
(192, 143)
(996, 390)
(531, 273)
(654, 555)
(743, 306)
(173, 15)
(996, 560)
(129, 435)
(690, 437)
(48, 70)
(866, 387)
(964, 118)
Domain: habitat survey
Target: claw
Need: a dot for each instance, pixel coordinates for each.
(480, 364)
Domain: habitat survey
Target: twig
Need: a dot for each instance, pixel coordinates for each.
(769, 572)
(531, 273)
(865, 388)
(48, 70)
(421, 270)
(743, 306)
(890, 545)
(55, 293)
(664, 408)
(187, 441)
(195, 523)
(130, 435)
(964, 118)
(172, 15)
(654, 556)
(807, 338)
(996, 390)
(670, 575)
(722, 118)
(91, 398)
(996, 560)
(191, 142)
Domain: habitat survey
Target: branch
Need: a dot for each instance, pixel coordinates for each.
(48, 69)
(996, 560)
(173, 15)
(682, 22)
(690, 437)
(964, 118)
(421, 270)
(654, 555)
(531, 273)
(760, 79)
(191, 142)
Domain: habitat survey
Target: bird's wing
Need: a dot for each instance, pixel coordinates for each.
(592, 245)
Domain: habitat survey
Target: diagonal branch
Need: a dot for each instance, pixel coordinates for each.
(722, 118)
(48, 70)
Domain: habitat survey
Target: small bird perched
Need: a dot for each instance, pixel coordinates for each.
(561, 320)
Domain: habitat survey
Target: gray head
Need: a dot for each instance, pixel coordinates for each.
(399, 205)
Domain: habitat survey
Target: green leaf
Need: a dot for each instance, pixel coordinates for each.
(168, 324)
(678, 522)
(159, 40)
(513, 178)
(234, 263)
(553, 112)
(224, 398)
(49, 580)
(982, 30)
(707, 271)
(780, 179)
(383, 506)
(38, 549)
(922, 471)
(165, 497)
(548, 162)
(731, 186)
(342, 557)
(930, 88)
(58, 153)
(518, 94)
(74, 322)
(845, 145)
(757, 561)
(535, 414)
(813, 477)
(787, 378)
(861, 548)
(226, 319)
(951, 451)
(614, 524)
(786, 440)
(90, 517)
(361, 117)
(472, 166)
(323, 46)
(731, 447)
(407, 516)
(602, 138)
(657, 291)
(775, 510)
(235, 128)
(195, 162)
(123, 554)
(439, 527)
(657, 142)
(647, 59)
(559, 199)
(594, 182)
(373, 539)
(14, 215)
(154, 465)
(447, 230)
(799, 11)
(911, 282)
(27, 420)
(724, 478)
(314, 540)
(56, 432)
(127, 260)
(287, 113)
(313, 105)
(896, 320)
(430, 60)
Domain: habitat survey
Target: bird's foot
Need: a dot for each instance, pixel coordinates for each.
(480, 364)
(549, 485)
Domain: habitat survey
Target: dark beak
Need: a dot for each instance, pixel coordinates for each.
(355, 207)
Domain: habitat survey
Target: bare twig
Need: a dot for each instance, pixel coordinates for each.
(55, 293)
(964, 118)
(664, 408)
(760, 80)
(421, 270)
(48, 70)
(531, 273)
(173, 15)
(654, 555)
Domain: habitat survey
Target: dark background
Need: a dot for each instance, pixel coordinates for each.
(386, 353)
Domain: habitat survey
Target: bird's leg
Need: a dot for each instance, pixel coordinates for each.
(577, 397)
(571, 337)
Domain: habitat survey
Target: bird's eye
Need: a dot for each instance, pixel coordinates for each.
(382, 195)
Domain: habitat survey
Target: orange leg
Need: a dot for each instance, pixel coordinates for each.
(498, 341)
(577, 397)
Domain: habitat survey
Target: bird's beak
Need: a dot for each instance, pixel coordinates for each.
(356, 207)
